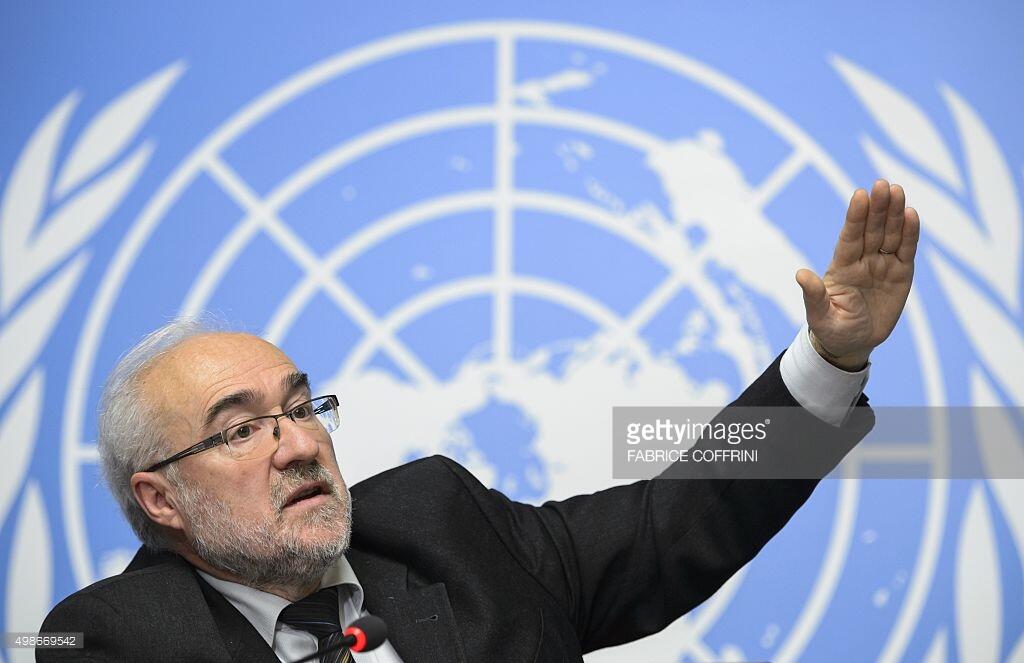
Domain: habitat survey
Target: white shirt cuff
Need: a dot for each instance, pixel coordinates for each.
(827, 392)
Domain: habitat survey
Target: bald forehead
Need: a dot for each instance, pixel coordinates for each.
(189, 377)
(210, 354)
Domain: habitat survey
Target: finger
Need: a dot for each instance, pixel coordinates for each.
(911, 234)
(894, 220)
(877, 211)
(850, 246)
(816, 300)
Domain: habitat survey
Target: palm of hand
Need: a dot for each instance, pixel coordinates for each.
(857, 304)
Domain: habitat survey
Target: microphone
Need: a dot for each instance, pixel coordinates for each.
(366, 633)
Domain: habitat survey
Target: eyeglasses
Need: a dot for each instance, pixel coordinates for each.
(260, 436)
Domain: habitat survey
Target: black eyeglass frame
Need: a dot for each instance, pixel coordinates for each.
(218, 439)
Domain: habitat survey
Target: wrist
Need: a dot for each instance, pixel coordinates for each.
(851, 362)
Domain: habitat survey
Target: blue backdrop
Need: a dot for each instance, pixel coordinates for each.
(484, 226)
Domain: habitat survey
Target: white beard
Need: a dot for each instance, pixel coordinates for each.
(265, 554)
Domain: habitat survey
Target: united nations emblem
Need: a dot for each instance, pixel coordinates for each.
(482, 237)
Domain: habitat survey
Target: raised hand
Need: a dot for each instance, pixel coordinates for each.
(857, 304)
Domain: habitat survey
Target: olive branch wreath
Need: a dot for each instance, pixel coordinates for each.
(45, 222)
(974, 221)
(42, 263)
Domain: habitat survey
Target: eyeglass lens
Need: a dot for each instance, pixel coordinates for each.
(258, 436)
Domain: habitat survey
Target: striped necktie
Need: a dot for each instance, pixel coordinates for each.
(318, 614)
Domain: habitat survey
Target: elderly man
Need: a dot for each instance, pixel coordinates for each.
(221, 457)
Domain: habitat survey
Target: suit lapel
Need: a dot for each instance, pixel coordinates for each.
(421, 626)
(240, 638)
(241, 641)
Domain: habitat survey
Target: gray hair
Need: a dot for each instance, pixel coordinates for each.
(129, 439)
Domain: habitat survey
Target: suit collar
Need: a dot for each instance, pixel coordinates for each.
(421, 625)
(258, 607)
(240, 638)
(241, 642)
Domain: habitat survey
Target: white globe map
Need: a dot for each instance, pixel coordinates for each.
(532, 419)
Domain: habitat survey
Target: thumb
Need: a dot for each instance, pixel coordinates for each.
(816, 301)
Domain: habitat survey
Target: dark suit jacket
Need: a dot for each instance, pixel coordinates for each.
(462, 573)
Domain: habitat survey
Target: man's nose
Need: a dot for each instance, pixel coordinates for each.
(294, 443)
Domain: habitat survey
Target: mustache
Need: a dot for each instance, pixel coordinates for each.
(293, 477)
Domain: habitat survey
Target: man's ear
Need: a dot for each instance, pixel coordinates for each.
(151, 491)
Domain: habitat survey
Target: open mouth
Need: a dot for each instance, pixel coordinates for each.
(308, 494)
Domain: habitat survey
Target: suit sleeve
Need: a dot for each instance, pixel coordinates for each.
(101, 625)
(627, 561)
